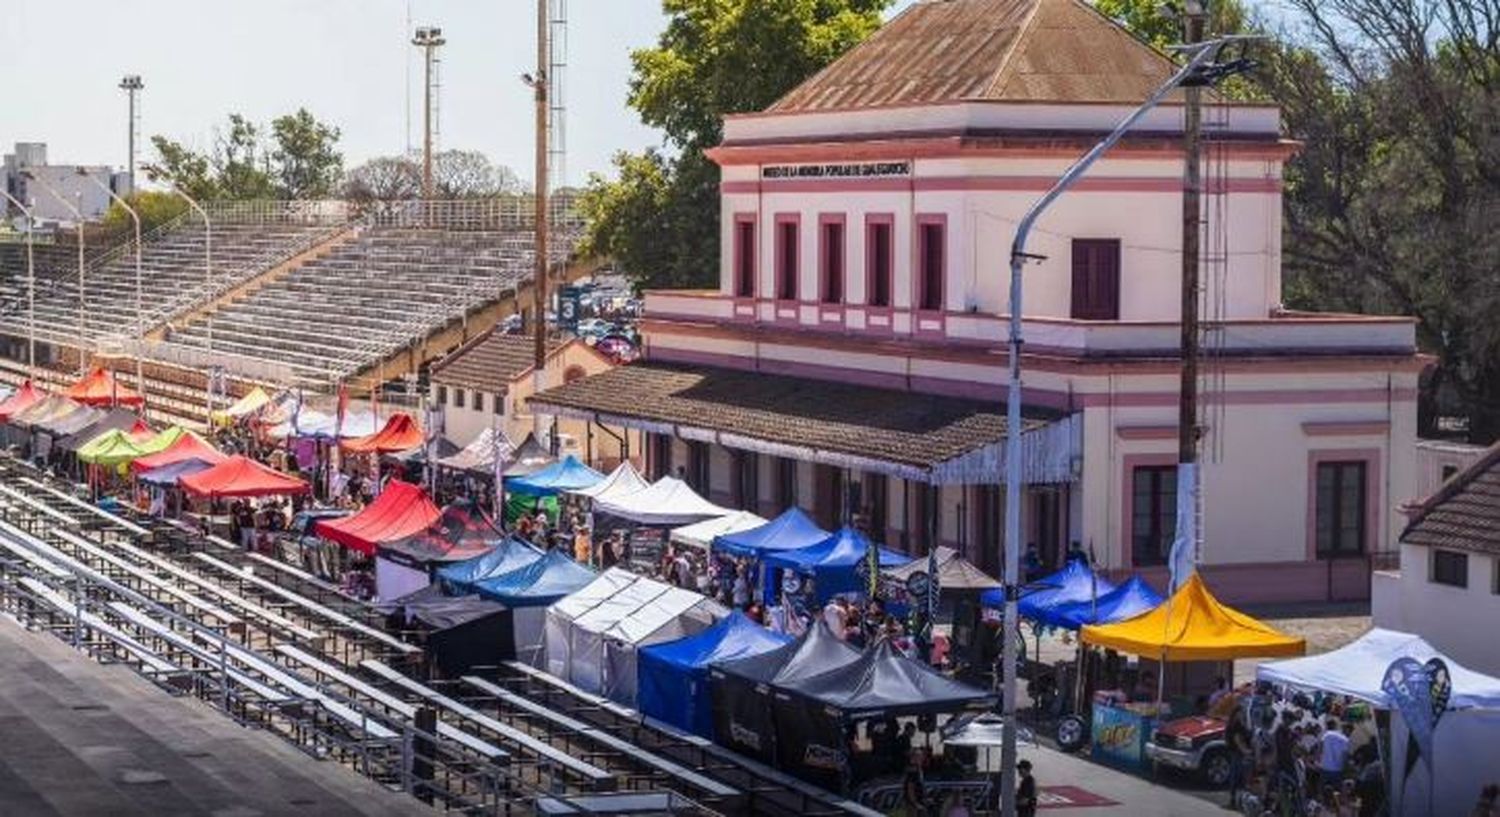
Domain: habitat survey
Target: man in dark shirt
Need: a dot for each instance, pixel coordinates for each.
(1025, 791)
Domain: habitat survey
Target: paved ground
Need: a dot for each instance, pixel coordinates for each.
(79, 739)
(1129, 795)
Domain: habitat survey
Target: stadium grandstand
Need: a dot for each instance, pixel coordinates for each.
(303, 294)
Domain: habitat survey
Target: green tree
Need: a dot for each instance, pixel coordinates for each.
(241, 163)
(189, 170)
(306, 163)
(660, 216)
(154, 209)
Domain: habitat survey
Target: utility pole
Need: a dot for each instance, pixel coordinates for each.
(1192, 217)
(539, 282)
(131, 84)
(428, 39)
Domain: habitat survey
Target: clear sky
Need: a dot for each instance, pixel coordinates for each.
(344, 60)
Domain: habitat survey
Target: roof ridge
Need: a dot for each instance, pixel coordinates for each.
(1455, 484)
(1002, 74)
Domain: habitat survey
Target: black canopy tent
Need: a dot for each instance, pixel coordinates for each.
(461, 632)
(742, 689)
(813, 716)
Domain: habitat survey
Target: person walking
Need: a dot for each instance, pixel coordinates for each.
(1026, 800)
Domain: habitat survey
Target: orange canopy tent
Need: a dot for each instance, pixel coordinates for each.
(240, 476)
(100, 388)
(188, 447)
(401, 433)
(1192, 625)
(401, 510)
(24, 398)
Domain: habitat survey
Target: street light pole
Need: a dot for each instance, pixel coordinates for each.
(78, 220)
(30, 285)
(140, 296)
(1200, 57)
(539, 282)
(208, 275)
(131, 84)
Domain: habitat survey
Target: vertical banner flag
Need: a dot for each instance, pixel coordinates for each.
(1420, 693)
(1184, 556)
(934, 586)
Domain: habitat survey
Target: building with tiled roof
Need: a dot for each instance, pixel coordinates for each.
(485, 383)
(851, 357)
(1448, 584)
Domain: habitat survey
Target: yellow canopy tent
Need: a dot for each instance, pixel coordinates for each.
(243, 407)
(1194, 626)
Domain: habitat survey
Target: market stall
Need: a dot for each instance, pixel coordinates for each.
(562, 614)
(457, 633)
(1127, 600)
(741, 689)
(460, 533)
(1076, 581)
(814, 715)
(400, 433)
(401, 510)
(667, 502)
(100, 388)
(620, 482)
(790, 530)
(674, 676)
(834, 564)
(559, 477)
(243, 408)
(528, 591)
(1461, 758)
(701, 535)
(24, 396)
(1191, 626)
(672, 615)
(187, 446)
(241, 476)
(507, 555)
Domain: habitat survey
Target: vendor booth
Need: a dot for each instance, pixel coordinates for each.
(701, 535)
(24, 396)
(166, 476)
(401, 510)
(673, 615)
(741, 688)
(1462, 753)
(620, 482)
(833, 564)
(1190, 626)
(667, 502)
(791, 530)
(813, 716)
(457, 633)
(187, 446)
(508, 555)
(245, 407)
(559, 477)
(113, 419)
(460, 533)
(561, 615)
(1076, 581)
(400, 433)
(528, 591)
(242, 477)
(111, 450)
(674, 676)
(1128, 600)
(100, 388)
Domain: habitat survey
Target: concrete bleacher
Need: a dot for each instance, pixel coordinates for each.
(370, 297)
(172, 277)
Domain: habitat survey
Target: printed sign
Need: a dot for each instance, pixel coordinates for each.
(851, 170)
(646, 546)
(1119, 737)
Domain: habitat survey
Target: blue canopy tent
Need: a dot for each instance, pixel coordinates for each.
(791, 530)
(674, 676)
(539, 583)
(833, 563)
(1126, 601)
(1075, 582)
(511, 554)
(567, 475)
(169, 474)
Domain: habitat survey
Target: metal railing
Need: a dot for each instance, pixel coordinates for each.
(500, 213)
(313, 211)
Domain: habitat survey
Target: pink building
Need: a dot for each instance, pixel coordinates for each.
(852, 358)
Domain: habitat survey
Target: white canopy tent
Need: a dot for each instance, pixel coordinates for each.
(668, 501)
(562, 614)
(480, 455)
(1463, 742)
(586, 659)
(622, 481)
(675, 614)
(701, 534)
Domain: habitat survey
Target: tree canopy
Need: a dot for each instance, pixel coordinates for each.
(456, 174)
(299, 160)
(659, 215)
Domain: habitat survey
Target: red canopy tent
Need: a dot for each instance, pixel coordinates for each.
(100, 388)
(23, 399)
(401, 510)
(401, 433)
(187, 447)
(140, 432)
(240, 476)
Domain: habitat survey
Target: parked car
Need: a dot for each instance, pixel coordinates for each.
(1196, 744)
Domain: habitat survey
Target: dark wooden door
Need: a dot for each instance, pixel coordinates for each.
(1096, 279)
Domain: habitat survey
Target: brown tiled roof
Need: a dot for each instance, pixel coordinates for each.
(987, 50)
(1465, 513)
(908, 428)
(489, 363)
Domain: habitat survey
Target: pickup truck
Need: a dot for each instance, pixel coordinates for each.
(1196, 744)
